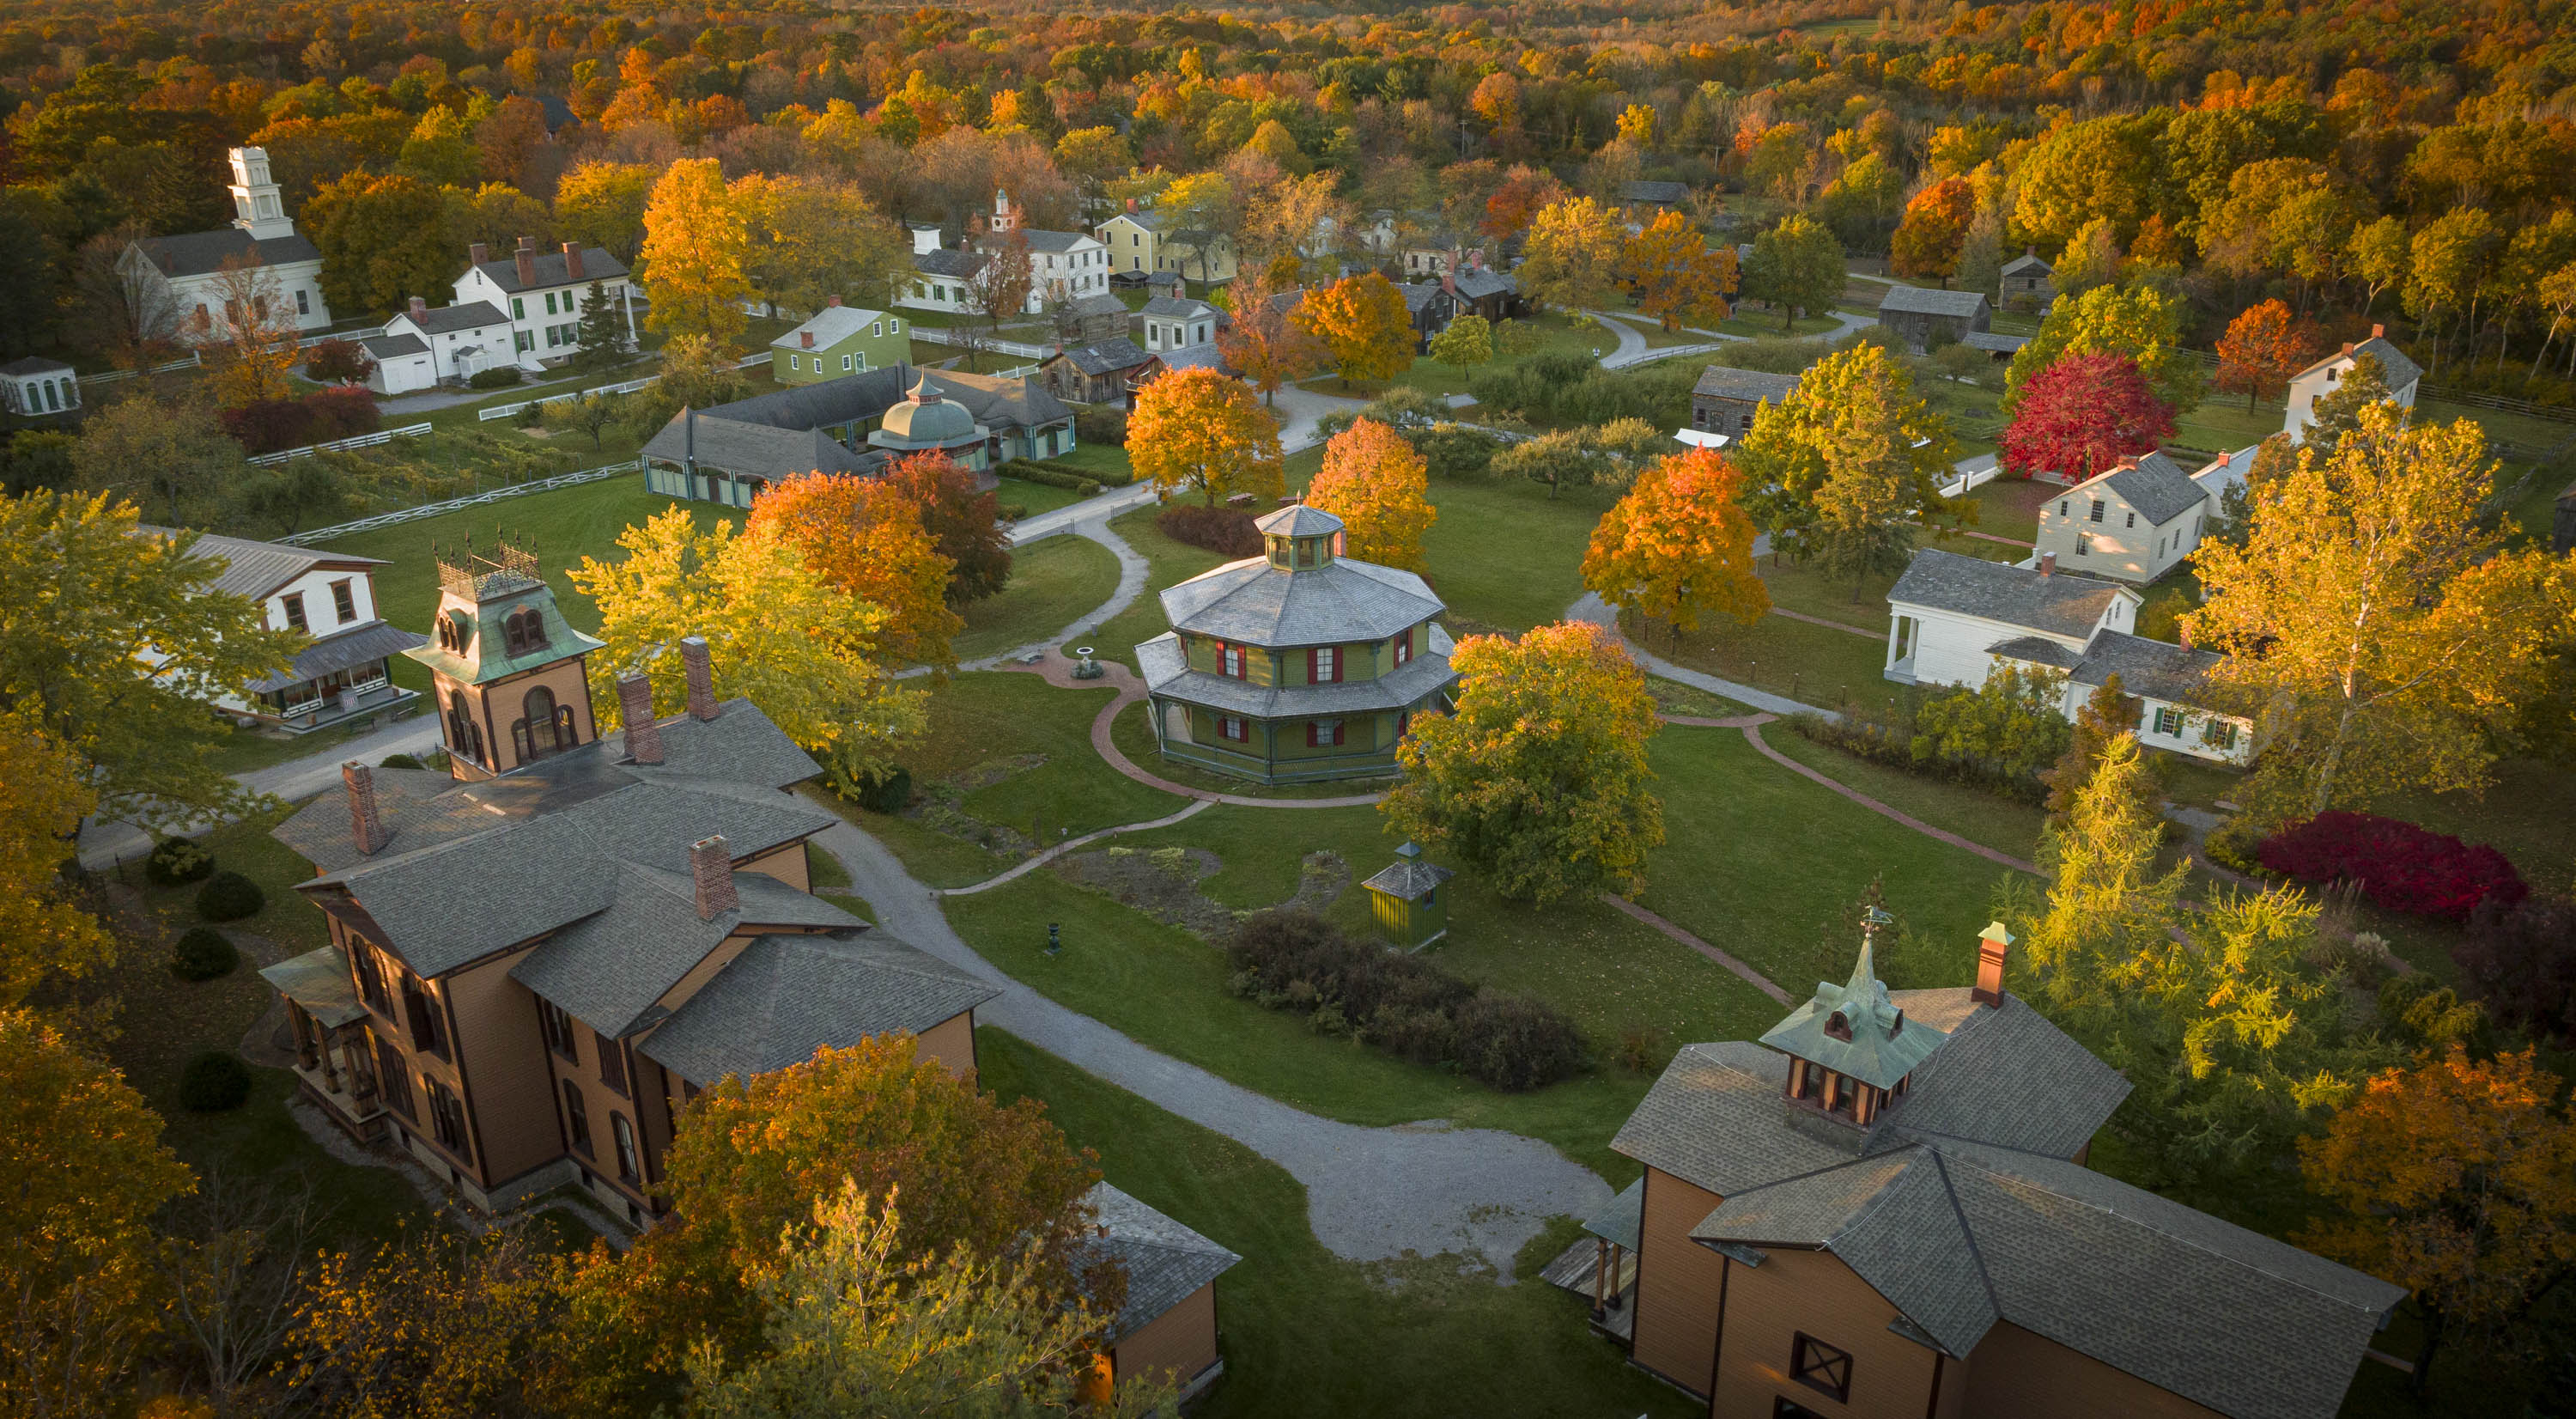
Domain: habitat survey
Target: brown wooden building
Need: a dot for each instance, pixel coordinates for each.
(1165, 1330)
(1882, 1209)
(536, 961)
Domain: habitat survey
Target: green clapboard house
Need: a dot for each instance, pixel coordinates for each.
(1297, 665)
(839, 340)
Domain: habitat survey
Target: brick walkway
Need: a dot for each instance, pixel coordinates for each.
(1829, 625)
(1751, 976)
(1753, 733)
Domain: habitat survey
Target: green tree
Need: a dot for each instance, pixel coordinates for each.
(171, 454)
(430, 1325)
(441, 150)
(2379, 634)
(1468, 341)
(1571, 254)
(2447, 268)
(2377, 257)
(602, 204)
(2091, 259)
(1796, 266)
(2009, 724)
(602, 331)
(2102, 168)
(1849, 464)
(2143, 324)
(1541, 815)
(2105, 715)
(115, 644)
(383, 240)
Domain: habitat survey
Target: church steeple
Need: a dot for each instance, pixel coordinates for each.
(259, 207)
(508, 672)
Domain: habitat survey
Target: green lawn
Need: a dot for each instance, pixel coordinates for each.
(1814, 664)
(1105, 457)
(2009, 507)
(243, 750)
(1033, 498)
(1053, 581)
(1304, 1332)
(1172, 562)
(1758, 323)
(1981, 817)
(1557, 333)
(1505, 555)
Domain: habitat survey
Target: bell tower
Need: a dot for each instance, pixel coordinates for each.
(259, 208)
(508, 672)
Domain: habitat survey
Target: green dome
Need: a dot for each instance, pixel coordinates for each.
(925, 420)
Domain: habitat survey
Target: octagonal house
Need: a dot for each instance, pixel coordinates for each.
(1297, 665)
(922, 422)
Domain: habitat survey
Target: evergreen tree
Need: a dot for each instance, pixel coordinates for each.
(602, 331)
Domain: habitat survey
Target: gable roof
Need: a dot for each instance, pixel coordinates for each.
(2157, 669)
(1055, 243)
(1182, 307)
(1650, 191)
(1992, 343)
(254, 569)
(467, 315)
(33, 364)
(1477, 282)
(1728, 382)
(1108, 356)
(2395, 368)
(785, 996)
(393, 347)
(851, 398)
(1100, 304)
(956, 263)
(2027, 263)
(1165, 1261)
(609, 969)
(753, 450)
(552, 270)
(830, 326)
(204, 253)
(1921, 300)
(2059, 605)
(2153, 484)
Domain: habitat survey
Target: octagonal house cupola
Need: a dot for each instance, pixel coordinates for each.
(508, 673)
(1299, 665)
(1852, 1053)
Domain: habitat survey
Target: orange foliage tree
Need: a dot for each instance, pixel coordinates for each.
(2457, 1180)
(1197, 429)
(1363, 322)
(1676, 274)
(865, 538)
(1379, 487)
(1935, 228)
(2263, 347)
(1262, 341)
(965, 521)
(1517, 202)
(1678, 545)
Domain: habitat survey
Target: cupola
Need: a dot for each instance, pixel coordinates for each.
(1300, 538)
(1851, 1051)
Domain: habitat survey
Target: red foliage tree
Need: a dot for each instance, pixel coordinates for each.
(965, 523)
(2083, 414)
(2401, 867)
(2262, 348)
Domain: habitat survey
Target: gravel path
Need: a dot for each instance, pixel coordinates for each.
(1592, 608)
(1372, 1194)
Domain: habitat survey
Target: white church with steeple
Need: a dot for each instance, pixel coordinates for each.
(186, 271)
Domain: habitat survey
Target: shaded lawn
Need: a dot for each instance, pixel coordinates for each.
(1133, 733)
(1033, 498)
(2008, 507)
(1102, 457)
(1053, 581)
(1815, 664)
(1801, 587)
(1304, 1332)
(1988, 819)
(1760, 862)
(242, 750)
(1506, 555)
(1171, 561)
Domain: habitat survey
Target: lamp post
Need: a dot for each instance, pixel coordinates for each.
(1055, 938)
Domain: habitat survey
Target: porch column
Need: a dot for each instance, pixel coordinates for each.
(1895, 640)
(1600, 1277)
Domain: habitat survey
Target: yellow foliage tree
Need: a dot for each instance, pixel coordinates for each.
(1571, 253)
(1195, 429)
(1679, 545)
(1379, 487)
(1363, 321)
(43, 797)
(1676, 275)
(696, 246)
(777, 633)
(864, 536)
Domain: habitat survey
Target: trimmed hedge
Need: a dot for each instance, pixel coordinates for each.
(177, 861)
(203, 953)
(1106, 477)
(1101, 423)
(2401, 867)
(1292, 960)
(1224, 530)
(497, 377)
(229, 896)
(1915, 754)
(214, 1082)
(1032, 472)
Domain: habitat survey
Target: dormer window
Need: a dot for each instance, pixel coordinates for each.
(1838, 1026)
(522, 631)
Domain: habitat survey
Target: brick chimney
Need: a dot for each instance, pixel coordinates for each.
(1994, 945)
(2378, 332)
(366, 826)
(635, 709)
(2048, 564)
(526, 256)
(711, 870)
(1449, 281)
(808, 337)
(702, 677)
(1131, 204)
(832, 300)
(477, 253)
(419, 309)
(572, 260)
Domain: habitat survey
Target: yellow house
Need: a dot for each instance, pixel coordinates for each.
(1142, 242)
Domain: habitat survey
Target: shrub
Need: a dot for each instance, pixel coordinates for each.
(1291, 960)
(229, 896)
(2428, 1015)
(1571, 389)
(1037, 472)
(1224, 530)
(2520, 959)
(496, 377)
(2232, 846)
(203, 953)
(1012, 512)
(1644, 1049)
(214, 1082)
(1101, 423)
(2401, 867)
(887, 793)
(320, 417)
(1113, 477)
(178, 860)
(1899, 746)
(341, 413)
(398, 761)
(337, 361)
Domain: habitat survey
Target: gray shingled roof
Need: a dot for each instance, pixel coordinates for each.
(2146, 667)
(552, 270)
(2397, 370)
(2059, 605)
(472, 315)
(2155, 485)
(754, 450)
(1622, 1217)
(995, 402)
(1713, 1119)
(2026, 262)
(1166, 1263)
(1258, 604)
(1110, 356)
(1477, 282)
(1179, 307)
(1297, 520)
(255, 569)
(2007, 1076)
(1651, 191)
(33, 364)
(1728, 382)
(204, 253)
(1054, 242)
(954, 263)
(2038, 650)
(609, 969)
(785, 996)
(393, 347)
(1925, 301)
(1408, 877)
(1166, 672)
(341, 650)
(1101, 304)
(1993, 343)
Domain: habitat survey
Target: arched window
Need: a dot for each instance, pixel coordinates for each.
(629, 1166)
(523, 630)
(464, 734)
(544, 727)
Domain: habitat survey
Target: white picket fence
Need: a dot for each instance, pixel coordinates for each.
(407, 431)
(415, 514)
(941, 335)
(112, 376)
(506, 411)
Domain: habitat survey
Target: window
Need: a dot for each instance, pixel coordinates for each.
(2168, 720)
(1323, 665)
(628, 1170)
(2083, 544)
(554, 336)
(876, 328)
(2097, 510)
(1744, 424)
(523, 341)
(395, 1076)
(544, 727)
(2331, 372)
(1820, 1367)
(293, 601)
(1323, 733)
(344, 599)
(1230, 660)
(371, 978)
(557, 1025)
(894, 327)
(447, 1118)
(1230, 727)
(523, 630)
(845, 362)
(464, 732)
(612, 1062)
(2061, 507)
(303, 301)
(420, 1012)
(1404, 648)
(518, 309)
(550, 304)
(2133, 520)
(577, 1119)
(2219, 734)
(1783, 1407)
(796, 362)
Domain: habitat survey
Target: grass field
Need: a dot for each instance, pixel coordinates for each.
(1053, 580)
(1033, 498)
(1557, 333)
(1304, 1332)
(1172, 561)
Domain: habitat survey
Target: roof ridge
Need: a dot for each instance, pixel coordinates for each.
(1967, 1230)
(1833, 1167)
